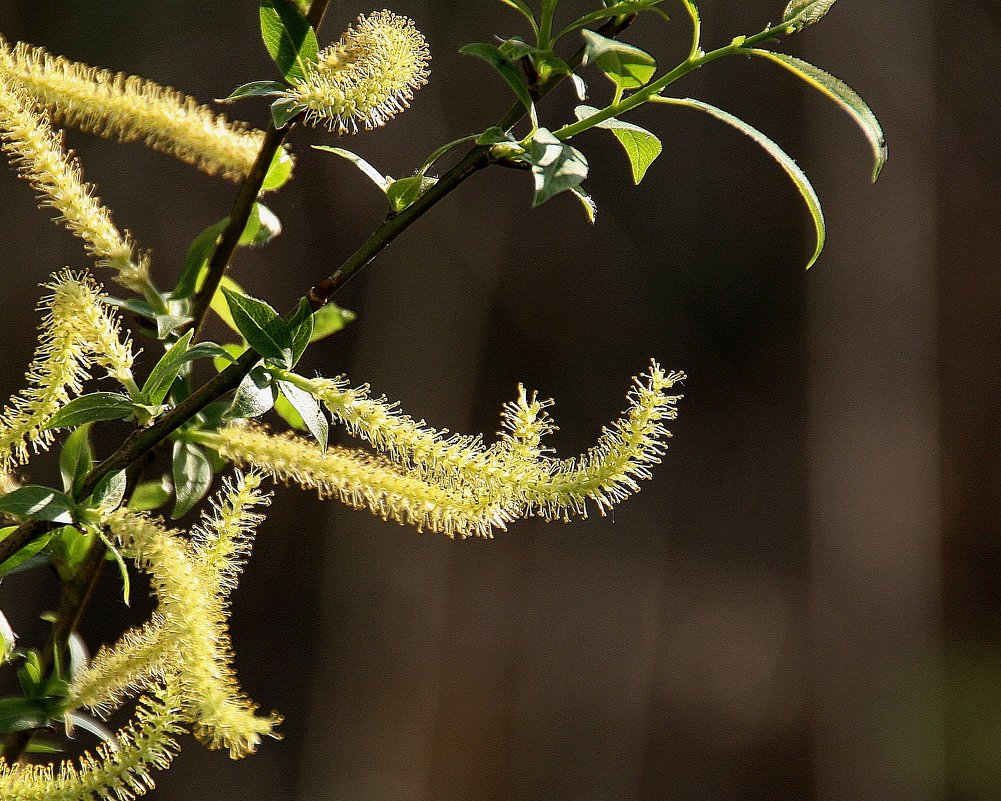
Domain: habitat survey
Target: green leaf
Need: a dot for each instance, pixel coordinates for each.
(623, 64)
(21, 714)
(91, 725)
(34, 502)
(18, 562)
(516, 48)
(376, 177)
(289, 38)
(166, 370)
(523, 8)
(283, 111)
(123, 569)
(166, 324)
(68, 548)
(842, 94)
(556, 166)
(642, 147)
(262, 226)
(268, 226)
(300, 324)
(508, 71)
(280, 171)
(614, 10)
(40, 746)
(330, 319)
(798, 177)
(405, 192)
(254, 89)
(802, 13)
(148, 496)
(8, 639)
(76, 458)
(262, 327)
(310, 411)
(255, 396)
(192, 477)
(197, 259)
(590, 207)
(92, 408)
(219, 304)
(287, 412)
(110, 490)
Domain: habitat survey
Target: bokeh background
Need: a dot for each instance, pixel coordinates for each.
(801, 605)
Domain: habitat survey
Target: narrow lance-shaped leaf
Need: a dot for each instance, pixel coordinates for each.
(614, 10)
(166, 370)
(309, 410)
(76, 458)
(254, 89)
(92, 408)
(642, 147)
(192, 477)
(508, 71)
(367, 169)
(842, 94)
(37, 503)
(798, 177)
(289, 38)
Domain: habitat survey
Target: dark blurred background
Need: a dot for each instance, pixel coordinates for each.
(801, 605)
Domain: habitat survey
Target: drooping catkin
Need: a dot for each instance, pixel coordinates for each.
(55, 174)
(120, 769)
(131, 109)
(77, 331)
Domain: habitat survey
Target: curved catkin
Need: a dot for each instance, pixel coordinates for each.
(119, 769)
(366, 78)
(55, 174)
(131, 109)
(194, 619)
(361, 481)
(78, 331)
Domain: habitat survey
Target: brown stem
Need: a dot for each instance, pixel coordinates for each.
(250, 190)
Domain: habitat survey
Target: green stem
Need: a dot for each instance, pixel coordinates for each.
(739, 45)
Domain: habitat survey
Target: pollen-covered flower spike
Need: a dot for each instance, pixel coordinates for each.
(368, 77)
(131, 109)
(38, 152)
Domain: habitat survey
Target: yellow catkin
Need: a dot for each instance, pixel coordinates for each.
(119, 672)
(194, 615)
(453, 484)
(360, 481)
(38, 153)
(131, 109)
(366, 78)
(118, 770)
(78, 331)
(223, 540)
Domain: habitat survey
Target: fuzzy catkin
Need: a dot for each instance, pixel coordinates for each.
(120, 770)
(77, 332)
(131, 109)
(55, 174)
(366, 78)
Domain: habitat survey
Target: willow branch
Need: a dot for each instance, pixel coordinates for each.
(478, 158)
(250, 190)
